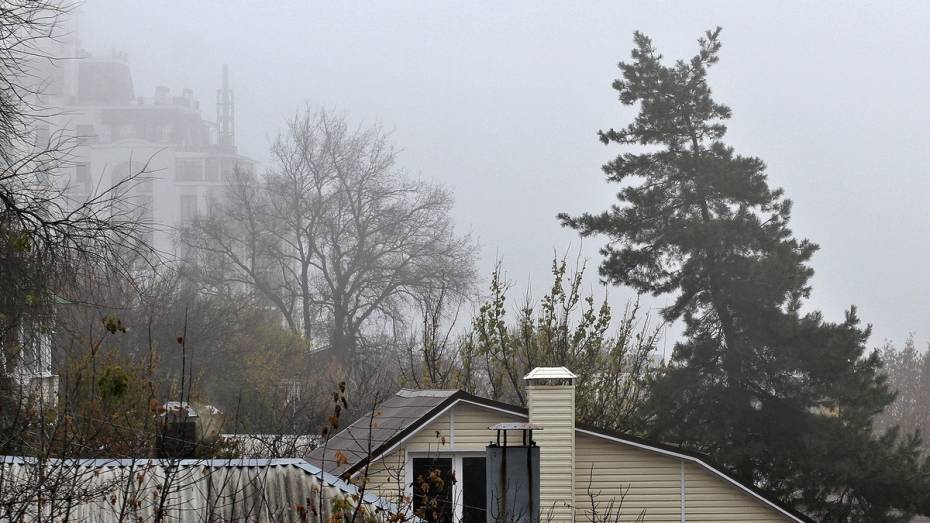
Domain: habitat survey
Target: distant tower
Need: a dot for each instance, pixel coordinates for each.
(226, 114)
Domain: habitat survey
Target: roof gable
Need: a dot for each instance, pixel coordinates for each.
(398, 415)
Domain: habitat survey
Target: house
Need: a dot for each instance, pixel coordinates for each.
(583, 472)
(236, 490)
(29, 361)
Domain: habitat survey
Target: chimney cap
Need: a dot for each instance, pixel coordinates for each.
(548, 373)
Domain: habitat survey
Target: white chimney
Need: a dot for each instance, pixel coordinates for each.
(551, 398)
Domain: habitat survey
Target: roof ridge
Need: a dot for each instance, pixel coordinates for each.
(426, 393)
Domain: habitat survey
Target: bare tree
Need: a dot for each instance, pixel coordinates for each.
(47, 240)
(35, 210)
(335, 234)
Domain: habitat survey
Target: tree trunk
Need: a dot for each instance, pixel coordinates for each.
(341, 338)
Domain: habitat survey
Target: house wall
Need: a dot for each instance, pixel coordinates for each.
(711, 498)
(650, 480)
(462, 429)
(653, 482)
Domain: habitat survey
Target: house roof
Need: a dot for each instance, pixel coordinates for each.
(369, 433)
(408, 411)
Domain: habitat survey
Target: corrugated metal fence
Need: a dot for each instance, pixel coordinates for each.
(257, 490)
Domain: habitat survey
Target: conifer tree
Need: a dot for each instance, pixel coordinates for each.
(783, 398)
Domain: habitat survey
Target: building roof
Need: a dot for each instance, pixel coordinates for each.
(179, 407)
(370, 432)
(406, 413)
(216, 489)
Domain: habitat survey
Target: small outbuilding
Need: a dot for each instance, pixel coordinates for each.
(583, 473)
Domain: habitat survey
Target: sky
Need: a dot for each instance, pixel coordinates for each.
(500, 102)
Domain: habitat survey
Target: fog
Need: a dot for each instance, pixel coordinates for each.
(501, 103)
(284, 240)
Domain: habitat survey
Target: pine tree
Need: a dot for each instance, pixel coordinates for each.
(783, 398)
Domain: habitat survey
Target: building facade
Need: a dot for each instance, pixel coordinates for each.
(179, 158)
(166, 159)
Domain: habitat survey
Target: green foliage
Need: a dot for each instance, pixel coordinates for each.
(108, 406)
(783, 398)
(566, 328)
(20, 242)
(113, 383)
(113, 324)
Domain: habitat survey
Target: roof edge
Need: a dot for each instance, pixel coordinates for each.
(382, 449)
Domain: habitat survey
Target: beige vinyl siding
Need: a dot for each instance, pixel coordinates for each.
(651, 481)
(387, 475)
(654, 483)
(471, 426)
(712, 498)
(436, 436)
(553, 407)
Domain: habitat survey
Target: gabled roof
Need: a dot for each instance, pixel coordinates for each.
(370, 432)
(408, 411)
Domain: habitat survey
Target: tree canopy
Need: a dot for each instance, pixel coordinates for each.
(334, 234)
(783, 397)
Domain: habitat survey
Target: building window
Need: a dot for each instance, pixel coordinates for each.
(132, 178)
(460, 496)
(86, 133)
(432, 489)
(42, 137)
(213, 169)
(82, 183)
(228, 166)
(188, 208)
(146, 209)
(189, 170)
(127, 132)
(474, 490)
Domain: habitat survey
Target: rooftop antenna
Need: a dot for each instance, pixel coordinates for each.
(226, 114)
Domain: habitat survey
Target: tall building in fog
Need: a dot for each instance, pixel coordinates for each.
(121, 132)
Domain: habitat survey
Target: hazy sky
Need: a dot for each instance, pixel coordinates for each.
(500, 102)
